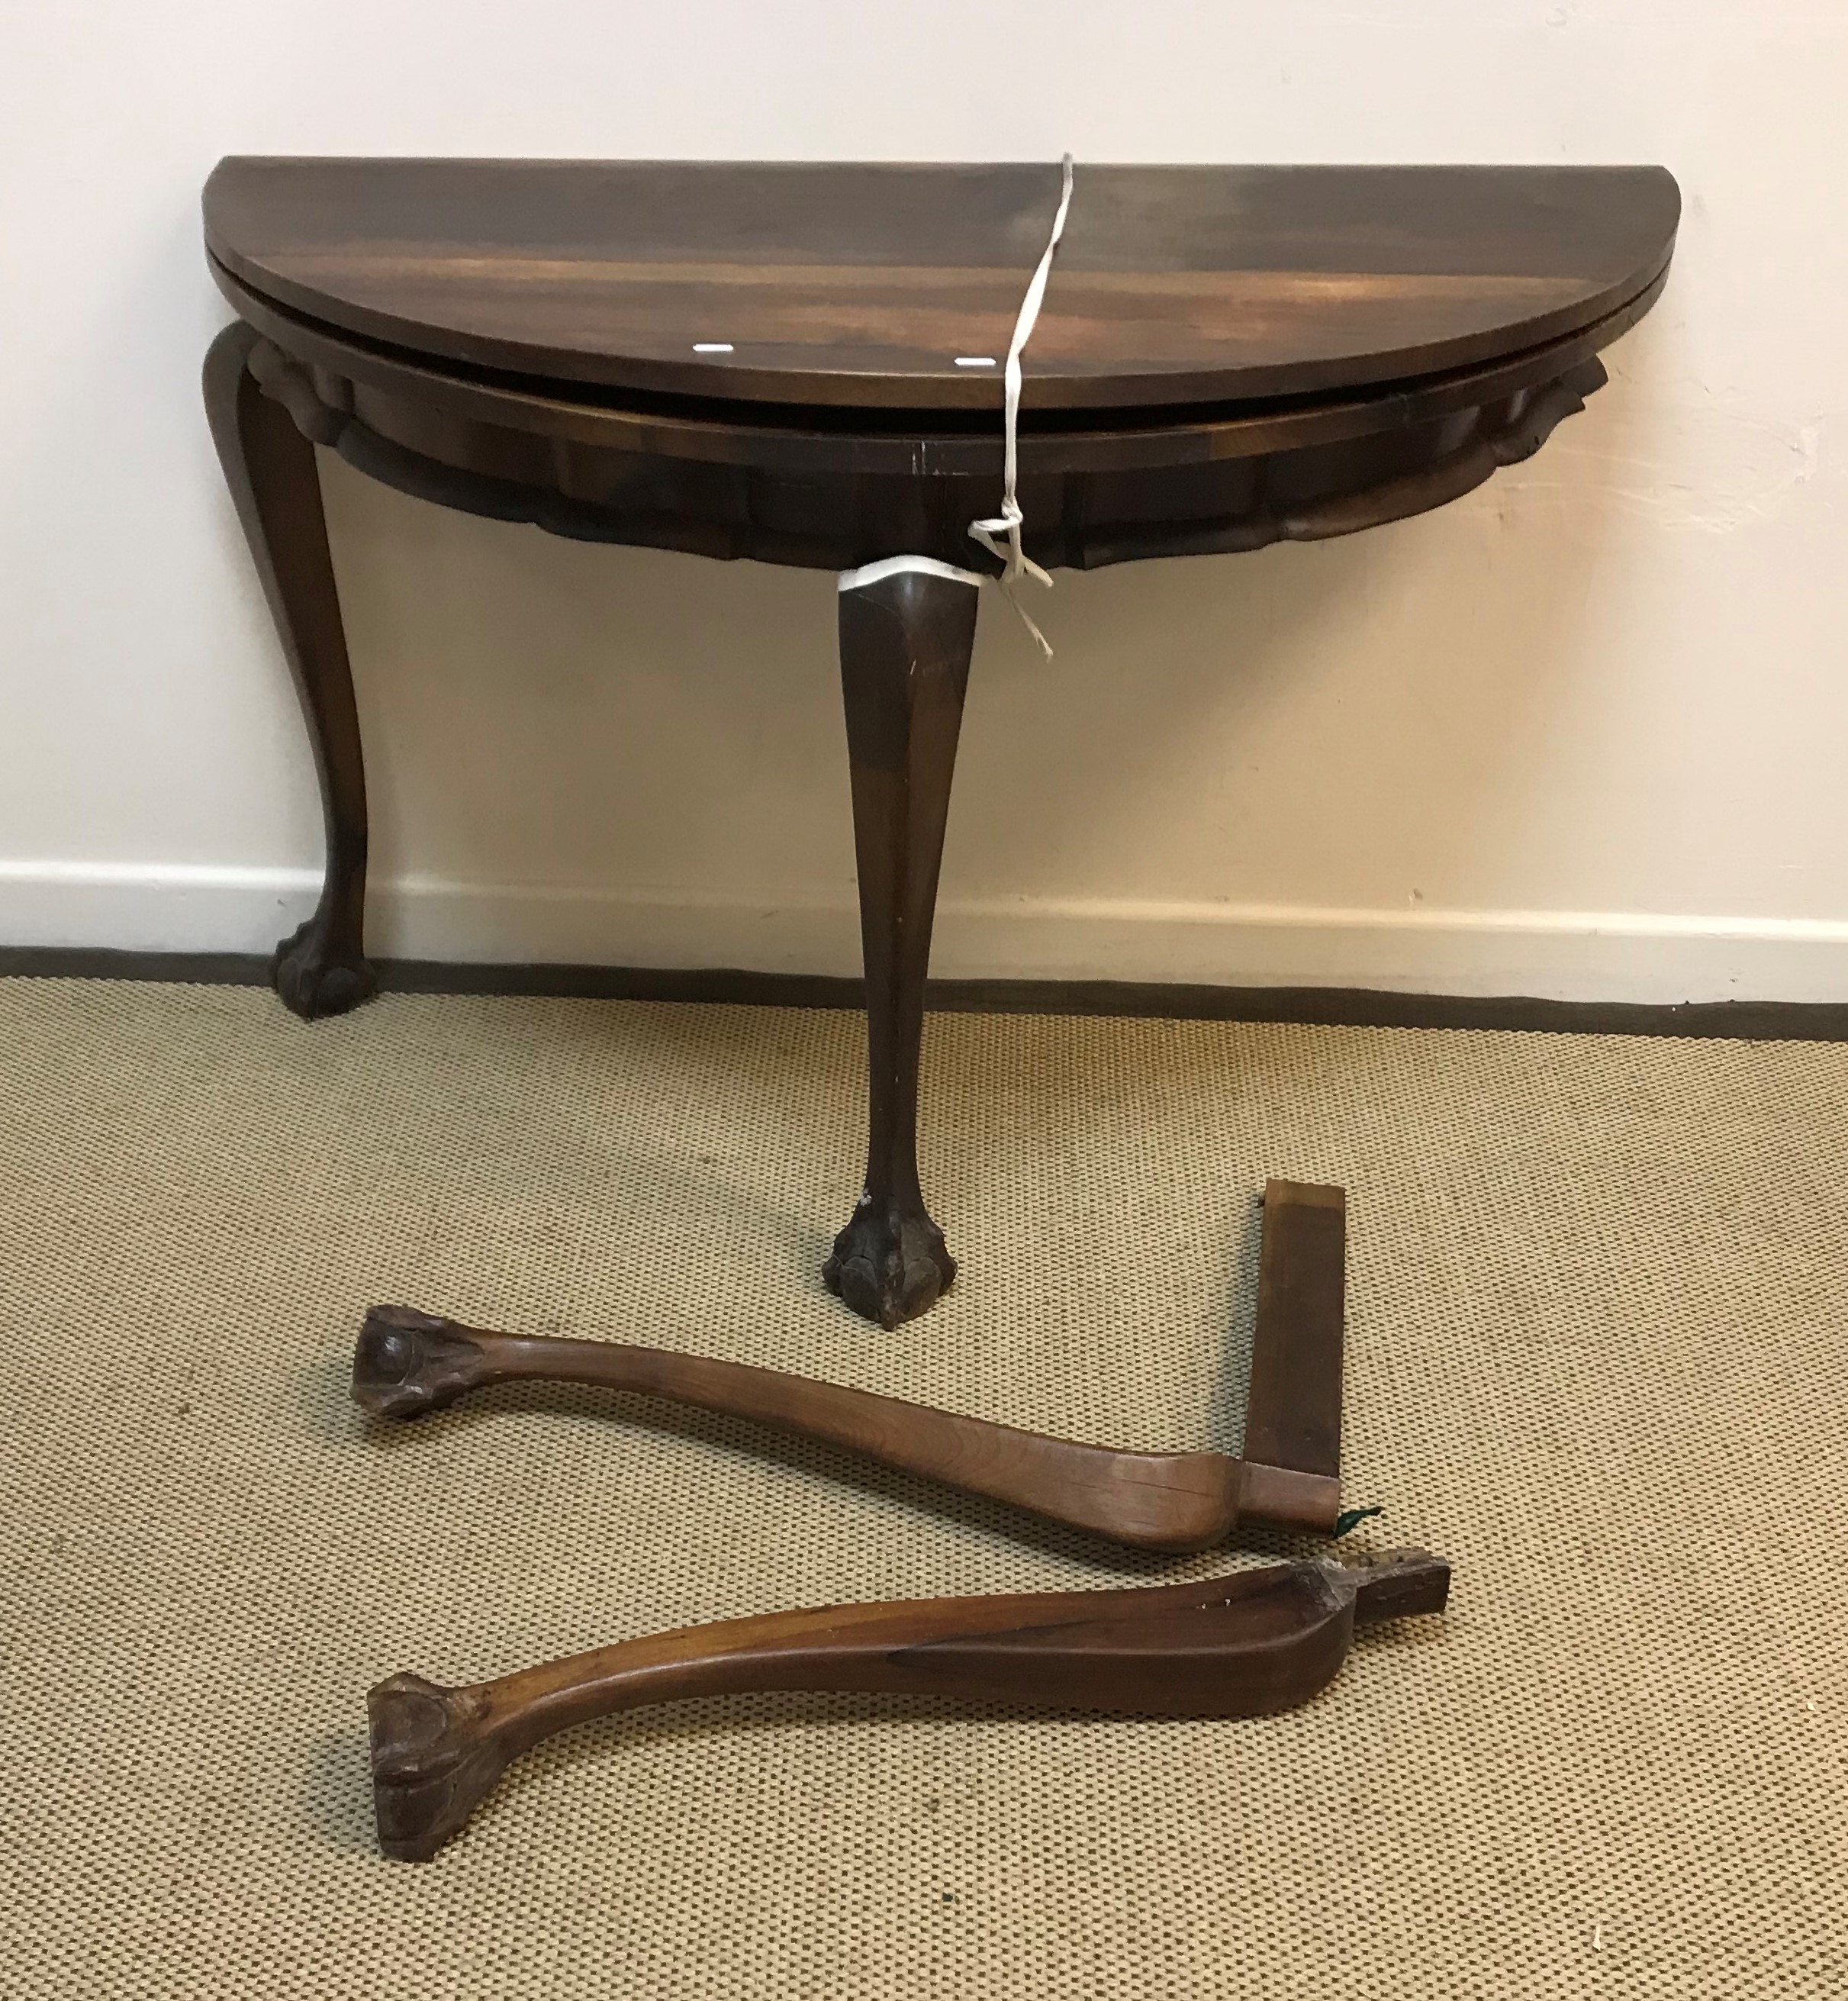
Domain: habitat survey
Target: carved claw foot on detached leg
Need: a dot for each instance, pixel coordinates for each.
(408, 1362)
(435, 1758)
(890, 1263)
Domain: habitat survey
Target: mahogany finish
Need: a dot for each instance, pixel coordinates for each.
(860, 285)
(407, 1363)
(1228, 357)
(1293, 1406)
(805, 488)
(270, 467)
(906, 641)
(1248, 1644)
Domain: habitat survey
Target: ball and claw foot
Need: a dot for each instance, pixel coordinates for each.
(317, 975)
(433, 1761)
(408, 1363)
(890, 1263)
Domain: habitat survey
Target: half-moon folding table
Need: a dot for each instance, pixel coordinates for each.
(802, 364)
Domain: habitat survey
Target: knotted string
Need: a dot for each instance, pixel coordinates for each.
(1007, 522)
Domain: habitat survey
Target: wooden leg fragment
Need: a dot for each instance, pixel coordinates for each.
(408, 1362)
(1293, 1406)
(1248, 1644)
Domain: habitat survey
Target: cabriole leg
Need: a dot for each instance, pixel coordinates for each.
(270, 467)
(905, 639)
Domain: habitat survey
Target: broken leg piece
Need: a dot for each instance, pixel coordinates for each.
(408, 1363)
(1248, 1644)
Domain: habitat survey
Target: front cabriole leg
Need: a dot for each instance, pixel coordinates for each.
(269, 466)
(907, 630)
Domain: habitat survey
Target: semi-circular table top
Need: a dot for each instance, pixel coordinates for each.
(865, 285)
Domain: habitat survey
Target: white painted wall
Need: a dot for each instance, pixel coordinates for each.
(1581, 734)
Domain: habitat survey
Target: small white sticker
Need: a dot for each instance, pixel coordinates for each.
(712, 347)
(975, 361)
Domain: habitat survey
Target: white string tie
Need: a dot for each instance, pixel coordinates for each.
(1007, 523)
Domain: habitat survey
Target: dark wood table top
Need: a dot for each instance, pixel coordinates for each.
(861, 285)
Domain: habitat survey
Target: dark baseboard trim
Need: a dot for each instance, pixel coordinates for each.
(1748, 1020)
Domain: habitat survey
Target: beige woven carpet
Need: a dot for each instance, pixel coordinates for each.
(1597, 1355)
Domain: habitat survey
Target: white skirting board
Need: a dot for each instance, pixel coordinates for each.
(1566, 956)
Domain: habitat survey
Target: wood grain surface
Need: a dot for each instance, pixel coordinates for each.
(407, 1363)
(1248, 1644)
(863, 285)
(905, 644)
(268, 464)
(1293, 1406)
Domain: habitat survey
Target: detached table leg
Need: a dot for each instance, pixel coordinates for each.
(270, 467)
(905, 639)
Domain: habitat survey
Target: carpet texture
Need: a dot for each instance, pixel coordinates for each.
(1596, 1356)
